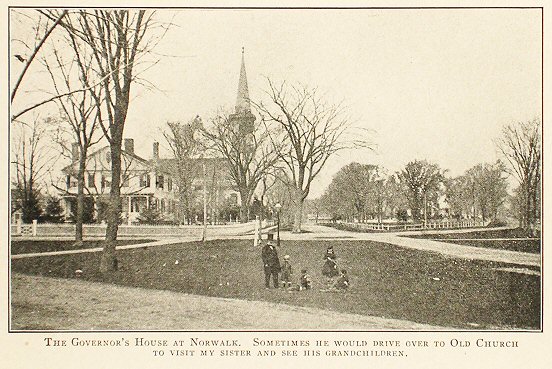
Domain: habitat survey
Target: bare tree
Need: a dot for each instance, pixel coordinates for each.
(520, 145)
(40, 40)
(460, 196)
(31, 163)
(421, 181)
(309, 131)
(247, 149)
(79, 110)
(184, 140)
(487, 187)
(116, 39)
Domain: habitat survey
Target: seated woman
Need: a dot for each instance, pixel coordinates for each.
(330, 265)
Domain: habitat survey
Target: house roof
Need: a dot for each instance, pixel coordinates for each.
(100, 161)
(212, 165)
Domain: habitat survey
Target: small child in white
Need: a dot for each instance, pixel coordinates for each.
(286, 272)
(342, 282)
(305, 282)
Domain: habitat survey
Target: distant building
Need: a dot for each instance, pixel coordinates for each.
(147, 183)
(144, 183)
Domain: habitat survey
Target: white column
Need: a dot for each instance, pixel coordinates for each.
(129, 208)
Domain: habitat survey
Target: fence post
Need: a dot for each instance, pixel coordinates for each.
(257, 229)
(34, 227)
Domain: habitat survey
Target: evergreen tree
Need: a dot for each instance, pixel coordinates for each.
(53, 212)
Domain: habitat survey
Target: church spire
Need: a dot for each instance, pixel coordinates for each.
(242, 101)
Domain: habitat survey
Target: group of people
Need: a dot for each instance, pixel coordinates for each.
(273, 268)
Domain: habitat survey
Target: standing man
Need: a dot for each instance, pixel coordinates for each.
(271, 262)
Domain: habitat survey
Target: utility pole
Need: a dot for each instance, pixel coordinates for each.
(425, 210)
(204, 238)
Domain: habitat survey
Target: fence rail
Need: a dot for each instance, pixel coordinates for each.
(98, 230)
(416, 226)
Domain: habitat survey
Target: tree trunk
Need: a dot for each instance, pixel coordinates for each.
(298, 214)
(483, 213)
(244, 208)
(80, 199)
(527, 207)
(529, 212)
(109, 261)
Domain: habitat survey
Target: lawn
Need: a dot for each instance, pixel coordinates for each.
(519, 240)
(29, 246)
(387, 281)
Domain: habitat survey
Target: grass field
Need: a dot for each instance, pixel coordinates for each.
(387, 281)
(29, 246)
(519, 240)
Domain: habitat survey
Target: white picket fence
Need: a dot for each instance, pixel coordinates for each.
(444, 224)
(154, 231)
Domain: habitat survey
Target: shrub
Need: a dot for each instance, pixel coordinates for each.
(149, 216)
(53, 212)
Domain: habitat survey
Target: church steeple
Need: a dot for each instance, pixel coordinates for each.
(242, 102)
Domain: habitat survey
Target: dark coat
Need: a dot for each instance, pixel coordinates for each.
(286, 271)
(270, 259)
(330, 268)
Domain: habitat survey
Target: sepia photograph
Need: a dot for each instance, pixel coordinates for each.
(276, 170)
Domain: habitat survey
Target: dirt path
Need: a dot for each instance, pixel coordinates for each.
(317, 232)
(41, 303)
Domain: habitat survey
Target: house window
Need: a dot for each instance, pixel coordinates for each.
(162, 205)
(160, 182)
(91, 180)
(106, 182)
(169, 184)
(68, 181)
(145, 180)
(134, 205)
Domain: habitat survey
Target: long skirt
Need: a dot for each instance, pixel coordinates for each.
(330, 269)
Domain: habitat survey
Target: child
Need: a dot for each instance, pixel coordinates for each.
(342, 282)
(305, 281)
(286, 272)
(330, 266)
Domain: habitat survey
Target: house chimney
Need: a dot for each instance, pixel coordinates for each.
(129, 145)
(75, 151)
(156, 150)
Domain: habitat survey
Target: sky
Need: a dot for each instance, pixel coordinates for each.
(429, 84)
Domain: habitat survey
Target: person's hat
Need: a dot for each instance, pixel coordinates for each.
(303, 271)
(270, 242)
(286, 257)
(344, 271)
(270, 236)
